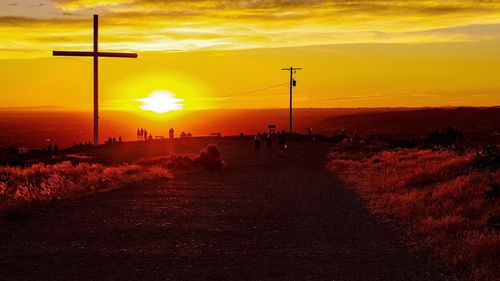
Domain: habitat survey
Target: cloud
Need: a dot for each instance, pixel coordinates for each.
(347, 6)
(163, 25)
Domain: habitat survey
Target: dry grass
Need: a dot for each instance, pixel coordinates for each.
(439, 196)
(23, 189)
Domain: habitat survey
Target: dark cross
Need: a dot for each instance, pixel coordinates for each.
(95, 54)
(293, 83)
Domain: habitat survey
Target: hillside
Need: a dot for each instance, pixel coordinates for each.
(417, 122)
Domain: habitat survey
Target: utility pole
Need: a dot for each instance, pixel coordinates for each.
(293, 83)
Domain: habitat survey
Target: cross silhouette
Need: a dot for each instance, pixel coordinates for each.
(95, 54)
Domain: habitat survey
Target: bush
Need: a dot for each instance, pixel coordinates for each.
(209, 158)
(446, 137)
(487, 159)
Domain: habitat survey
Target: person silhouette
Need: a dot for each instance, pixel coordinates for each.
(49, 149)
(120, 139)
(257, 140)
(171, 133)
(282, 143)
(269, 144)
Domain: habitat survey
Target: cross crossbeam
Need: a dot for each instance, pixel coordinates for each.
(95, 54)
(91, 54)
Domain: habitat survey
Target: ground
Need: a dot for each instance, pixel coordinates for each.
(279, 219)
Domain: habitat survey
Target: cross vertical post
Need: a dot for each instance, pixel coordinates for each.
(95, 54)
(96, 80)
(292, 84)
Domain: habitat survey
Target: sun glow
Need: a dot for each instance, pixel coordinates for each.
(161, 101)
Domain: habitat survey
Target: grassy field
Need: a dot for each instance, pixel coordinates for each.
(438, 196)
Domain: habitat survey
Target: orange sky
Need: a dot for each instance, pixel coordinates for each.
(215, 54)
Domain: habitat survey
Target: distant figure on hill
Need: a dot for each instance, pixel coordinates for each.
(356, 134)
(269, 144)
(138, 134)
(56, 148)
(257, 141)
(171, 133)
(282, 143)
(145, 134)
(49, 149)
(119, 139)
(110, 140)
(150, 136)
(114, 140)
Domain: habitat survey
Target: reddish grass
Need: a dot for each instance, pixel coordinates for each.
(23, 189)
(439, 196)
(26, 189)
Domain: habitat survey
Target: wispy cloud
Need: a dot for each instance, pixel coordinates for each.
(234, 24)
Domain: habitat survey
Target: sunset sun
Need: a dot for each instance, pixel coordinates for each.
(161, 101)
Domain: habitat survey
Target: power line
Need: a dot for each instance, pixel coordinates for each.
(253, 91)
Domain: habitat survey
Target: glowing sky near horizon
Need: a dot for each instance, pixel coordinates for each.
(355, 53)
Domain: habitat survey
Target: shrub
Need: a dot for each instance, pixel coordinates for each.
(209, 158)
(487, 159)
(446, 137)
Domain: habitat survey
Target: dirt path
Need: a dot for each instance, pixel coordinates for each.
(285, 219)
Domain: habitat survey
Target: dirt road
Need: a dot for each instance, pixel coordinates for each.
(280, 219)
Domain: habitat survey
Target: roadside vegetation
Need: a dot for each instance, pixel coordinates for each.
(448, 201)
(30, 188)
(23, 190)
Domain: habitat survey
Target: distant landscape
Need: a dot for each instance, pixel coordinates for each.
(37, 129)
